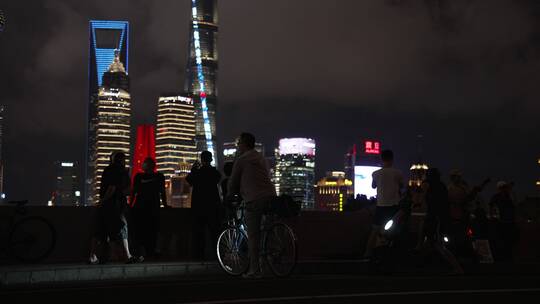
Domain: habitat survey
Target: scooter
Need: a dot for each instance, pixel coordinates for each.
(387, 251)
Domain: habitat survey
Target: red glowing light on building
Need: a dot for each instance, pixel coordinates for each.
(372, 147)
(145, 146)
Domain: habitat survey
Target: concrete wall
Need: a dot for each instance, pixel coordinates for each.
(321, 235)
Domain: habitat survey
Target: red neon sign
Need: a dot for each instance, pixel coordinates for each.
(372, 147)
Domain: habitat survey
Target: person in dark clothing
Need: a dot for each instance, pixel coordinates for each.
(437, 217)
(148, 196)
(113, 203)
(227, 170)
(502, 204)
(205, 203)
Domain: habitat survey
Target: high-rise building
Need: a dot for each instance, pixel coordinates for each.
(332, 191)
(175, 139)
(113, 121)
(201, 74)
(229, 150)
(367, 161)
(145, 146)
(295, 170)
(66, 186)
(107, 40)
(350, 162)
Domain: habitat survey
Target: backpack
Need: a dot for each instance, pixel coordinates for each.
(285, 207)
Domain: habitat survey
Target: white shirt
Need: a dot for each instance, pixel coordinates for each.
(388, 182)
(251, 178)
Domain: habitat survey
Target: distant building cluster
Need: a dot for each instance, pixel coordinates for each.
(186, 125)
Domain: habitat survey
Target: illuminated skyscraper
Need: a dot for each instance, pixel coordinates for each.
(66, 185)
(113, 121)
(175, 140)
(295, 169)
(106, 38)
(201, 71)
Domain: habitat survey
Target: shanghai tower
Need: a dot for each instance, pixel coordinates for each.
(201, 72)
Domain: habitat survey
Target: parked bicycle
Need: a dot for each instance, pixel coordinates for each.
(278, 244)
(28, 239)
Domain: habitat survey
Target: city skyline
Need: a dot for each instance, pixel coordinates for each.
(466, 85)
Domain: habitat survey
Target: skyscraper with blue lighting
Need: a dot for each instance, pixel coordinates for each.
(108, 40)
(201, 72)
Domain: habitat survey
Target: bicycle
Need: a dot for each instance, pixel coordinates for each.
(278, 244)
(30, 239)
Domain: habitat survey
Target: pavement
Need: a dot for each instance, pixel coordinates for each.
(36, 276)
(299, 288)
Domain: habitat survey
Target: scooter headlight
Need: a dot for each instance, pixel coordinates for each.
(388, 225)
(445, 239)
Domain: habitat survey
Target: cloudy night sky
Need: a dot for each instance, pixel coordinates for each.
(463, 73)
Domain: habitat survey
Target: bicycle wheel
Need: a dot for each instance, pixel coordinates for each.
(32, 239)
(280, 249)
(232, 251)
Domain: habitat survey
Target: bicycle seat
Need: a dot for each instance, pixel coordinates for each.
(19, 203)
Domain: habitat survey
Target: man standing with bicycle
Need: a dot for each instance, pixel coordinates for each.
(251, 179)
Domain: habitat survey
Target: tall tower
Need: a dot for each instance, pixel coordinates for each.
(175, 139)
(106, 39)
(201, 71)
(295, 170)
(113, 120)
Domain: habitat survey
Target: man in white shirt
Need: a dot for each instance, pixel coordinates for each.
(389, 182)
(250, 178)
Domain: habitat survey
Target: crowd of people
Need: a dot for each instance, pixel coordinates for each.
(448, 208)
(453, 214)
(248, 177)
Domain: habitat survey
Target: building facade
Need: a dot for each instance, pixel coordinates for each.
(294, 173)
(201, 71)
(107, 40)
(113, 121)
(175, 138)
(66, 185)
(332, 191)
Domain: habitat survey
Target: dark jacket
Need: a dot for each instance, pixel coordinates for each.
(205, 195)
(115, 175)
(149, 190)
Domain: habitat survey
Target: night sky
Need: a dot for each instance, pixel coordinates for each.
(463, 73)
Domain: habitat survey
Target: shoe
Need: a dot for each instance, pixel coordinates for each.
(93, 260)
(134, 260)
(252, 275)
